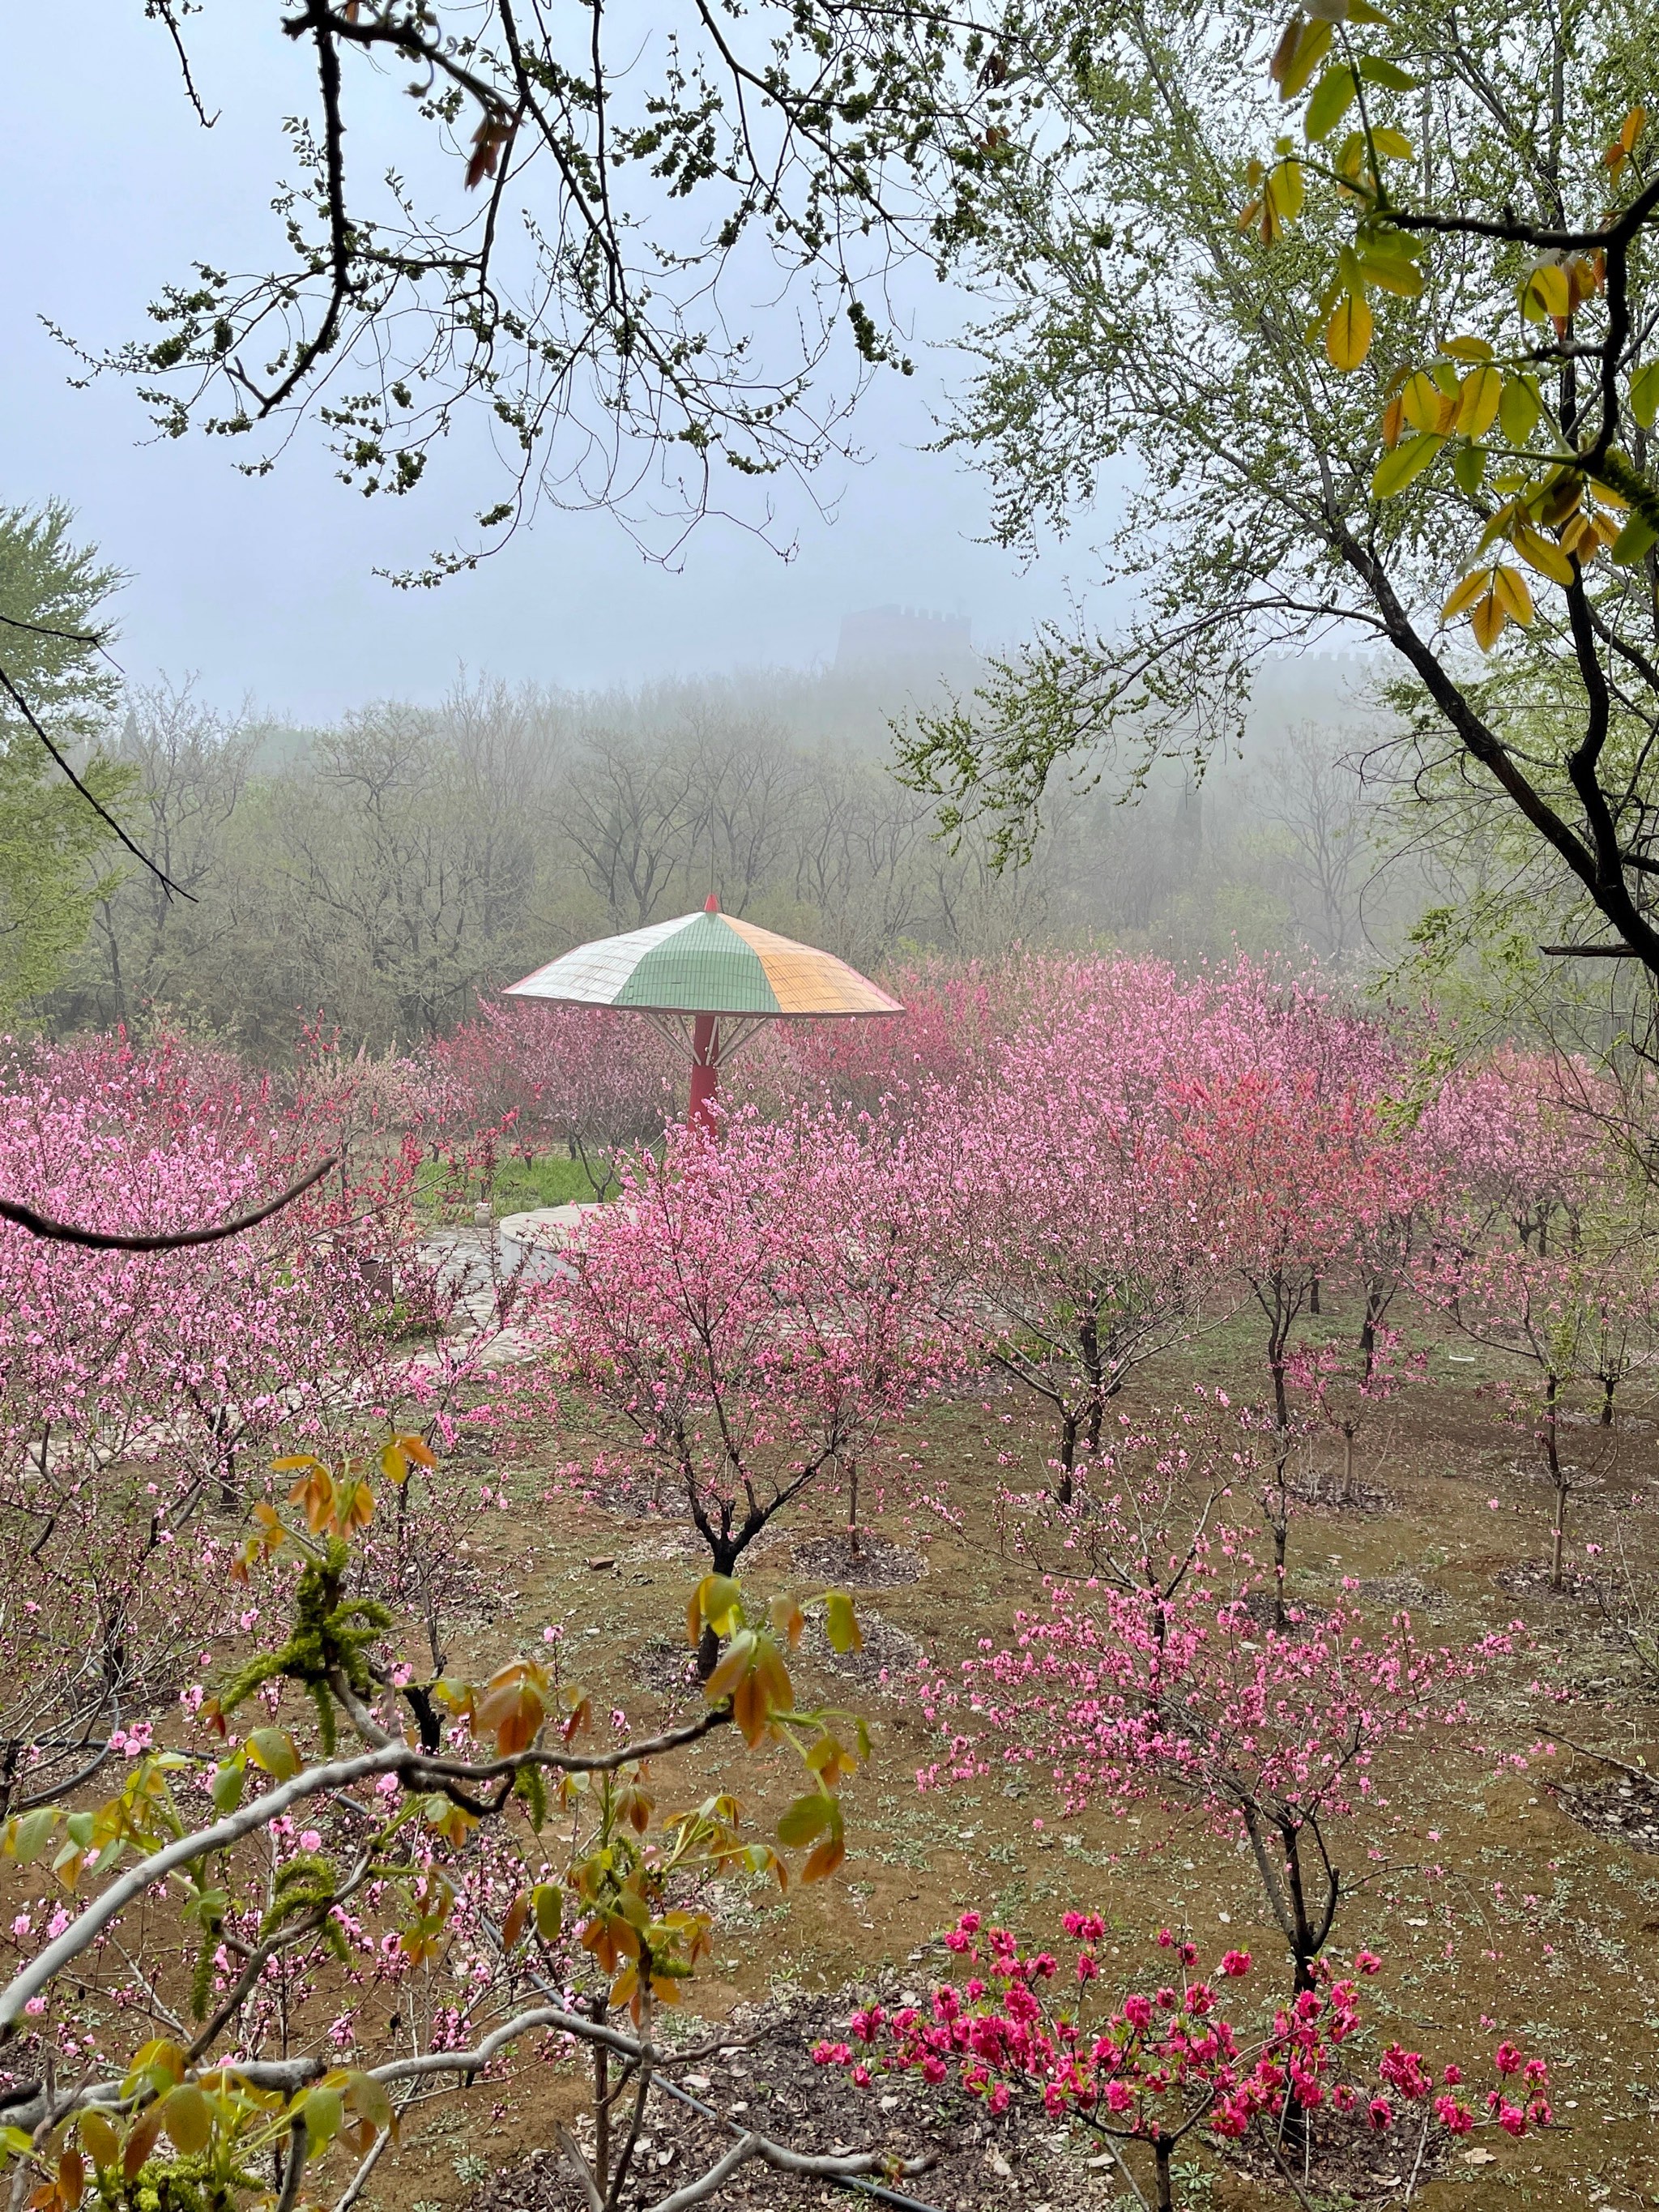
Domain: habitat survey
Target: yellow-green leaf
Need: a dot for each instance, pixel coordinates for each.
(1541, 553)
(841, 1624)
(1547, 291)
(1392, 142)
(1286, 190)
(1333, 96)
(1644, 394)
(99, 2139)
(275, 1751)
(1470, 468)
(1422, 402)
(1467, 593)
(548, 1899)
(1294, 67)
(809, 1816)
(1510, 587)
(1392, 78)
(189, 2122)
(1479, 397)
(1518, 409)
(720, 1601)
(1348, 333)
(369, 2098)
(1635, 541)
(1393, 273)
(228, 1782)
(1408, 460)
(27, 1836)
(324, 2109)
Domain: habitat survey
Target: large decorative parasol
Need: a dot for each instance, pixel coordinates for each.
(708, 981)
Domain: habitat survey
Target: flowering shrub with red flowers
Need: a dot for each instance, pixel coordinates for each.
(1024, 2032)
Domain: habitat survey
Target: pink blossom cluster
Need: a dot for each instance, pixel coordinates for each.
(1018, 2029)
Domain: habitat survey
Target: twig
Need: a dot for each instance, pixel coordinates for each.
(1606, 1759)
(1417, 2163)
(96, 805)
(120, 1240)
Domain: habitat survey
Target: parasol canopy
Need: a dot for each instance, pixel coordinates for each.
(707, 963)
(709, 980)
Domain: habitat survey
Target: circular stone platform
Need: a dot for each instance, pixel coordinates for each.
(533, 1241)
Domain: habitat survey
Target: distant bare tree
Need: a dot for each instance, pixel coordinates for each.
(631, 814)
(1310, 796)
(193, 766)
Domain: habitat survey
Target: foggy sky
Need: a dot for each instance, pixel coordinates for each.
(265, 587)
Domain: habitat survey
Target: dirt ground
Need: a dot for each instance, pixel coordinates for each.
(1509, 1901)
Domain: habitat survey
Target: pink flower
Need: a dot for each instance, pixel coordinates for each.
(1236, 1963)
(1367, 1962)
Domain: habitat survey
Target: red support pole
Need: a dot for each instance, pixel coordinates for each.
(705, 1059)
(705, 1073)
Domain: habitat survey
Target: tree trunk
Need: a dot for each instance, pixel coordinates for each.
(1162, 2147)
(853, 1545)
(1313, 1295)
(1068, 1429)
(1552, 1456)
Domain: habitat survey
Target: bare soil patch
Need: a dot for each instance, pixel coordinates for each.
(878, 1563)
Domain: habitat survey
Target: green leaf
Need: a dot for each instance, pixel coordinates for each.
(1392, 142)
(324, 2109)
(1408, 459)
(31, 1832)
(1468, 468)
(1644, 394)
(227, 1781)
(1635, 541)
(1518, 409)
(548, 1899)
(807, 1817)
(1388, 74)
(1333, 96)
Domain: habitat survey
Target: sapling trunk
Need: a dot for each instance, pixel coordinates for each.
(601, 2101)
(853, 1541)
(1162, 2147)
(1552, 1456)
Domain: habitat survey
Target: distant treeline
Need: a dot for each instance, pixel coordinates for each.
(391, 869)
